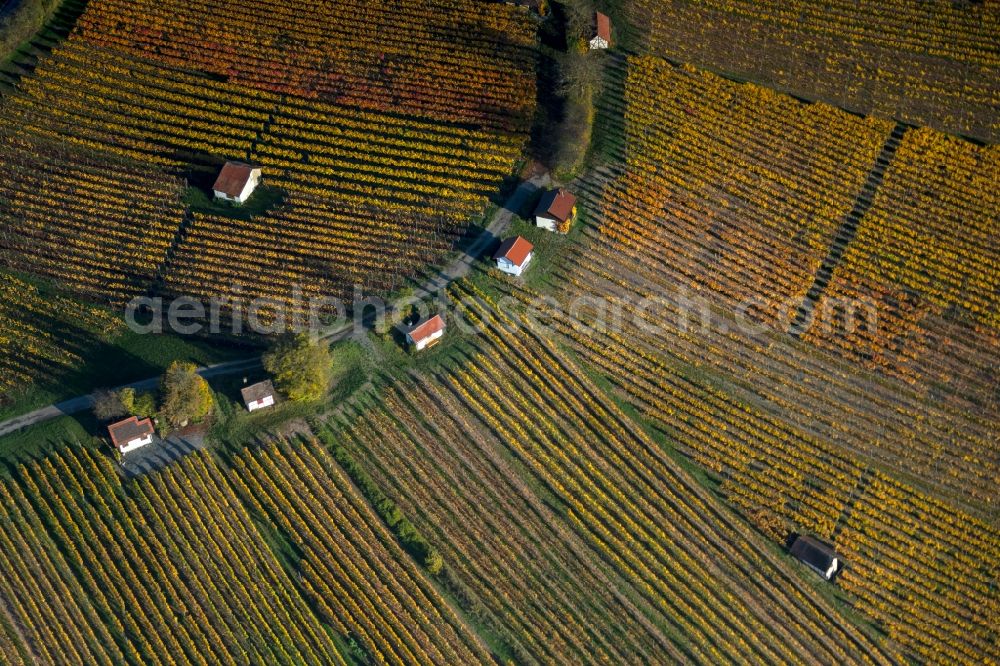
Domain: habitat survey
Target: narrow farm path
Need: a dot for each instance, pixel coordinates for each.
(497, 226)
(454, 270)
(85, 402)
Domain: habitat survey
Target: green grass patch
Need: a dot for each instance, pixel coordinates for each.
(108, 359)
(263, 199)
(281, 544)
(234, 426)
(123, 359)
(608, 142)
(353, 367)
(550, 247)
(40, 440)
(395, 358)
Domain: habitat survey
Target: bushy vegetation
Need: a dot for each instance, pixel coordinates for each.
(302, 367)
(20, 20)
(186, 395)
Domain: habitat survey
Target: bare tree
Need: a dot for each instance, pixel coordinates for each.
(581, 75)
(108, 405)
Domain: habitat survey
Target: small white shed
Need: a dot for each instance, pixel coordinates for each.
(131, 434)
(426, 333)
(514, 255)
(602, 32)
(258, 396)
(236, 182)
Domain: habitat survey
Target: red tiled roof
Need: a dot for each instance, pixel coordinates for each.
(257, 392)
(233, 178)
(557, 204)
(427, 329)
(515, 250)
(125, 431)
(603, 26)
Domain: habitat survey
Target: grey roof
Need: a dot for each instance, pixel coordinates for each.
(258, 391)
(814, 553)
(132, 428)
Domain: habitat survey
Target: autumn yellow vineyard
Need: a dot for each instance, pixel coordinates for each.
(363, 179)
(930, 63)
(670, 332)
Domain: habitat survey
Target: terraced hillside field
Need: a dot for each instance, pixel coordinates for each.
(172, 572)
(933, 63)
(750, 187)
(370, 148)
(399, 59)
(567, 530)
(902, 479)
(352, 570)
(97, 224)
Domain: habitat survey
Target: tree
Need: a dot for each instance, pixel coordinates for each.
(144, 405)
(108, 405)
(186, 395)
(433, 561)
(302, 367)
(581, 75)
(579, 22)
(127, 398)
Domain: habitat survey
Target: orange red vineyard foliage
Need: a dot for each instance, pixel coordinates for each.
(744, 189)
(379, 154)
(451, 60)
(748, 410)
(799, 439)
(928, 254)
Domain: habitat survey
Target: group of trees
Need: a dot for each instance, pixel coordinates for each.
(579, 82)
(184, 397)
(302, 369)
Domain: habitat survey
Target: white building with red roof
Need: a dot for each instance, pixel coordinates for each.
(426, 333)
(556, 210)
(131, 434)
(602, 32)
(514, 255)
(236, 182)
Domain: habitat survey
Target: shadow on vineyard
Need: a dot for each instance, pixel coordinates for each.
(21, 46)
(544, 142)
